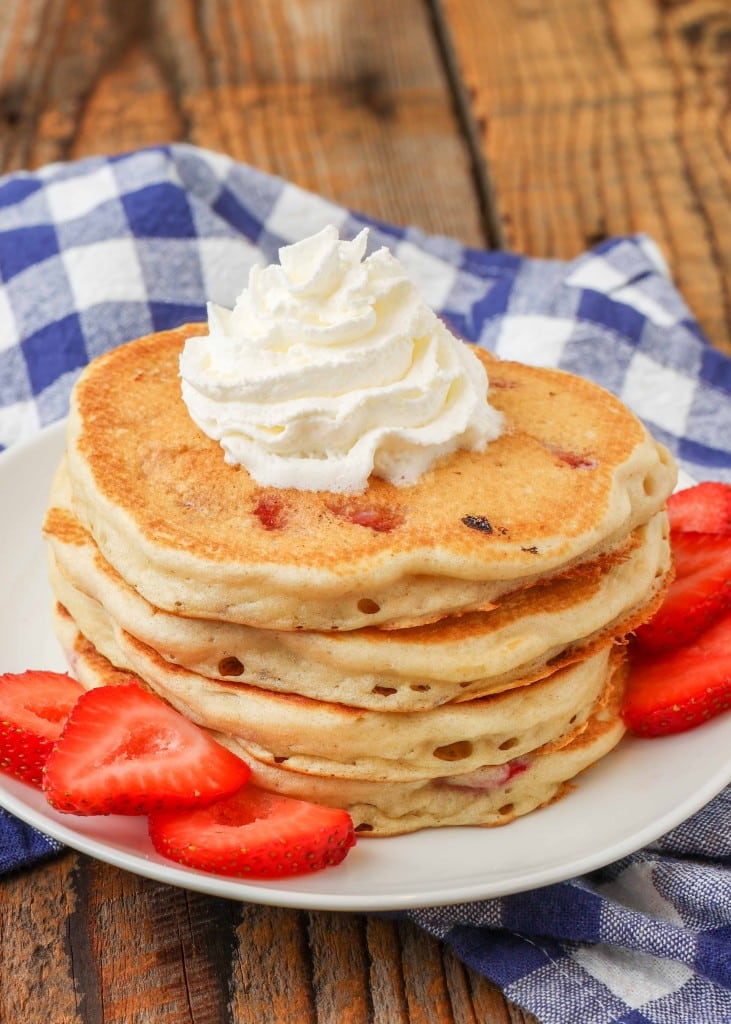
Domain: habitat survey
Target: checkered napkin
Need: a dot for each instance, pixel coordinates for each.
(97, 252)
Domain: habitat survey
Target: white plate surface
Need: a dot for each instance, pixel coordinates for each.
(644, 788)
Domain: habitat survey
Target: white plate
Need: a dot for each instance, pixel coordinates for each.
(633, 796)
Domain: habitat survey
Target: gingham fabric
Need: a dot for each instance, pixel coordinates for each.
(646, 940)
(96, 252)
(21, 845)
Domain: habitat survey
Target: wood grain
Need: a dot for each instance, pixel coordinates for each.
(37, 971)
(602, 117)
(85, 943)
(345, 98)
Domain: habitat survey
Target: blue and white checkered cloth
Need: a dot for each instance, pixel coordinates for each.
(97, 252)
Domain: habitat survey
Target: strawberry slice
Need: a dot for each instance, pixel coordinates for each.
(681, 689)
(705, 508)
(33, 708)
(254, 834)
(125, 751)
(700, 592)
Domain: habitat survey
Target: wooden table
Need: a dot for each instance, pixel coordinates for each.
(540, 126)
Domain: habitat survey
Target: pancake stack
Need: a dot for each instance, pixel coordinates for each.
(444, 653)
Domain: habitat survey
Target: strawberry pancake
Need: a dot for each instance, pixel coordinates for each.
(393, 573)
(570, 477)
(528, 635)
(320, 737)
(491, 794)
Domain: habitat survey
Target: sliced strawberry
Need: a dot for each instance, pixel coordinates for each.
(700, 592)
(254, 834)
(679, 690)
(125, 751)
(705, 508)
(33, 708)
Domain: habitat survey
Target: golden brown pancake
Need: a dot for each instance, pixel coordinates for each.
(529, 634)
(444, 653)
(322, 738)
(570, 478)
(488, 796)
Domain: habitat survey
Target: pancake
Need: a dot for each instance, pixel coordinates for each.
(573, 474)
(321, 738)
(447, 652)
(488, 796)
(528, 635)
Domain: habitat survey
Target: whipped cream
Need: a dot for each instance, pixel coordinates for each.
(330, 368)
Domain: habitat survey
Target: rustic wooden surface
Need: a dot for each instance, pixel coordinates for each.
(537, 125)
(602, 117)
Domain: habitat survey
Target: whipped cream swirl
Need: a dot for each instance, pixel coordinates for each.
(331, 368)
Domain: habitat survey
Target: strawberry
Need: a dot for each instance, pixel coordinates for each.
(705, 508)
(681, 689)
(33, 709)
(125, 751)
(254, 834)
(700, 592)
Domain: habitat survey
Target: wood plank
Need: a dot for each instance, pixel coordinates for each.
(437, 983)
(85, 943)
(135, 949)
(37, 970)
(272, 969)
(156, 952)
(348, 99)
(340, 968)
(599, 118)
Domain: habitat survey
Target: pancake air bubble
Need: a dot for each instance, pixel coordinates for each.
(454, 751)
(230, 666)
